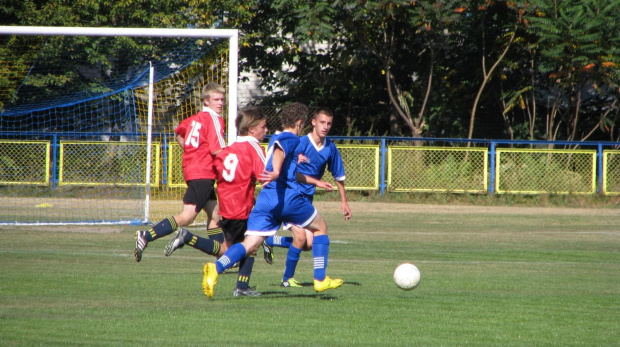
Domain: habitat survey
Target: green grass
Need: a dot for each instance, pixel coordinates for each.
(500, 279)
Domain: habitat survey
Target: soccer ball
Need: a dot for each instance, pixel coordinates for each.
(406, 276)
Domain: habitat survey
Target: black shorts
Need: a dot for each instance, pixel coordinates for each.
(199, 192)
(234, 229)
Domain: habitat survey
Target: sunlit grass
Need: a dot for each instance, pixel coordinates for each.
(488, 278)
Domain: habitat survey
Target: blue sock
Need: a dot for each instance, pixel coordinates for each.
(292, 258)
(279, 241)
(320, 250)
(235, 253)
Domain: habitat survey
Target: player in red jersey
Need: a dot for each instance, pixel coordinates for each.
(238, 167)
(201, 137)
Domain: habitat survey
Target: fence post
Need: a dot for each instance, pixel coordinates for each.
(382, 151)
(55, 147)
(492, 168)
(599, 162)
(164, 156)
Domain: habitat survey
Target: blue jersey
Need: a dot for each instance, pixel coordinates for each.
(279, 201)
(287, 141)
(318, 158)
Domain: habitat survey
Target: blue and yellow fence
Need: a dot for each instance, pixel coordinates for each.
(383, 164)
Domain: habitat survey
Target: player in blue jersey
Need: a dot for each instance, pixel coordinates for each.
(279, 202)
(319, 153)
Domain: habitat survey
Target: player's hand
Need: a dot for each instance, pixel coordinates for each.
(267, 176)
(325, 185)
(301, 158)
(346, 212)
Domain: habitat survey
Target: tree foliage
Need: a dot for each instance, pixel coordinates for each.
(101, 57)
(537, 69)
(580, 65)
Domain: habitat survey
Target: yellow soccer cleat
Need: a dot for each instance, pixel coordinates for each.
(290, 283)
(327, 283)
(209, 279)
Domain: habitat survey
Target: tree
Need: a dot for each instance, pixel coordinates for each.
(580, 58)
(405, 30)
(347, 50)
(102, 57)
(475, 68)
(507, 37)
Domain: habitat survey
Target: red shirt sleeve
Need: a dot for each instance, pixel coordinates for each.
(182, 128)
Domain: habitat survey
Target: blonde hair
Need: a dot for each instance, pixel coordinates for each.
(248, 117)
(212, 88)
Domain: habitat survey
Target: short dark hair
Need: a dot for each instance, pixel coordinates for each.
(291, 113)
(323, 110)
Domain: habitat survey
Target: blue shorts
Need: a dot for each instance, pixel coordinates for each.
(274, 207)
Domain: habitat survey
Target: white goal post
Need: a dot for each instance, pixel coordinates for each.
(231, 35)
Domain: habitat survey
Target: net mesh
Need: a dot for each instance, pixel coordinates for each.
(81, 106)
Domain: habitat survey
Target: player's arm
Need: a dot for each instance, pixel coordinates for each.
(301, 178)
(276, 162)
(346, 210)
(181, 141)
(179, 134)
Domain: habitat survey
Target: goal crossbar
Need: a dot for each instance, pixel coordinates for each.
(231, 34)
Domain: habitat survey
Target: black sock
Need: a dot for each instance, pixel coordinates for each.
(245, 271)
(216, 234)
(208, 246)
(161, 229)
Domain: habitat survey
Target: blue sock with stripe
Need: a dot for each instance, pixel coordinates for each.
(279, 241)
(235, 253)
(320, 250)
(292, 258)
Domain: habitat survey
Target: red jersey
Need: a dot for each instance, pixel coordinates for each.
(203, 134)
(238, 167)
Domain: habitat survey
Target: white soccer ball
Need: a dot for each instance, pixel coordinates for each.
(406, 276)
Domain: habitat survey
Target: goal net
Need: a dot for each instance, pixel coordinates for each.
(87, 118)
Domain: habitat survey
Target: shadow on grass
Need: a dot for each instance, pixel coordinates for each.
(290, 292)
(285, 294)
(311, 284)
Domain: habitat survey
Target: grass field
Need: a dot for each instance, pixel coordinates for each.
(491, 276)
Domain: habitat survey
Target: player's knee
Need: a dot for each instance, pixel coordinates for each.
(252, 243)
(185, 218)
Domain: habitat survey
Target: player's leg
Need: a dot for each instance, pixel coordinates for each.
(298, 210)
(200, 195)
(292, 257)
(262, 223)
(185, 237)
(320, 253)
(234, 230)
(165, 227)
(275, 241)
(234, 254)
(243, 278)
(279, 241)
(214, 231)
